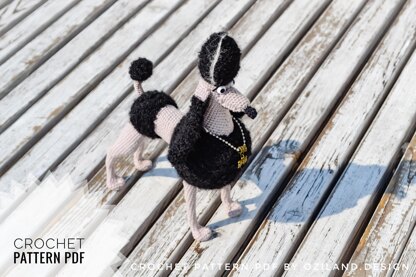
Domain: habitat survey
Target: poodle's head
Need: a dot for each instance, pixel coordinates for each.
(219, 63)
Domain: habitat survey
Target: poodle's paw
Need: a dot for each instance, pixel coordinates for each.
(234, 209)
(202, 234)
(115, 183)
(143, 165)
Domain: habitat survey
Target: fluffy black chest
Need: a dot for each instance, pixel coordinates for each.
(213, 164)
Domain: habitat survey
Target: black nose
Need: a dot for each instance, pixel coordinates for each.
(250, 112)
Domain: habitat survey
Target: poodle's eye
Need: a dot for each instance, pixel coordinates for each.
(222, 90)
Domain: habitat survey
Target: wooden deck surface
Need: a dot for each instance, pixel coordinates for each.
(330, 191)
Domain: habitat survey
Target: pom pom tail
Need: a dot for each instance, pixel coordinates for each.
(141, 69)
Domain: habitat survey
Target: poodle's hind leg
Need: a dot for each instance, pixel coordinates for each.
(126, 143)
(233, 207)
(200, 233)
(139, 162)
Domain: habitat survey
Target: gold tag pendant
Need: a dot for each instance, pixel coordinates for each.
(242, 161)
(243, 157)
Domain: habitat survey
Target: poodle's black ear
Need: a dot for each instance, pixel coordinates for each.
(219, 59)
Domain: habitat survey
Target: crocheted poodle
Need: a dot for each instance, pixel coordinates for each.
(209, 145)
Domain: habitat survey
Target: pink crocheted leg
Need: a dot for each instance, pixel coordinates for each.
(126, 143)
(233, 207)
(200, 233)
(139, 162)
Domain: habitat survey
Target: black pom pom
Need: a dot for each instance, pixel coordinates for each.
(141, 69)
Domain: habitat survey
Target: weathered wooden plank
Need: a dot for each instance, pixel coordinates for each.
(17, 101)
(261, 180)
(13, 11)
(406, 266)
(341, 218)
(386, 235)
(147, 19)
(42, 205)
(292, 75)
(27, 59)
(53, 106)
(31, 26)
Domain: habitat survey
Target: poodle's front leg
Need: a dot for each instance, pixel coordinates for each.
(126, 143)
(139, 162)
(233, 207)
(200, 233)
(114, 181)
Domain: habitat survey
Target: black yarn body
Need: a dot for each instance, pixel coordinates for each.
(201, 159)
(144, 111)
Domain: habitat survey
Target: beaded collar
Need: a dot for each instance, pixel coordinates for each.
(242, 150)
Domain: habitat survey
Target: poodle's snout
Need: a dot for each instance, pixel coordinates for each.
(250, 112)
